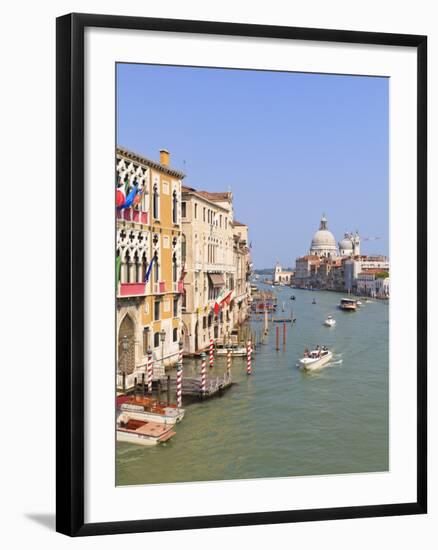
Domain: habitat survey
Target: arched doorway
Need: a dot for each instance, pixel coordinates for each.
(126, 345)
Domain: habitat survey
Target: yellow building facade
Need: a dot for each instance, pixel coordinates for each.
(148, 265)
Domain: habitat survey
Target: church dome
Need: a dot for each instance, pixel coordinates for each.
(346, 244)
(323, 237)
(323, 242)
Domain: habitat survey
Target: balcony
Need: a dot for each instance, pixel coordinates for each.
(159, 288)
(132, 289)
(178, 287)
(131, 215)
(219, 268)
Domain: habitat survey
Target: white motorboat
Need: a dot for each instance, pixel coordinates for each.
(316, 359)
(358, 302)
(330, 321)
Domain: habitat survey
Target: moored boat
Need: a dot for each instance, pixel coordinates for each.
(347, 304)
(149, 409)
(330, 321)
(142, 432)
(236, 351)
(315, 359)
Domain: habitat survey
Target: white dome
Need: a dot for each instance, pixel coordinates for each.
(346, 244)
(323, 238)
(323, 242)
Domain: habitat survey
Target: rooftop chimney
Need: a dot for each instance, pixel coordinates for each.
(164, 157)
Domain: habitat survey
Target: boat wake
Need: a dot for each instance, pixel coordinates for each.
(337, 360)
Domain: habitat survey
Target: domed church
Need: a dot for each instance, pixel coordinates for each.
(350, 245)
(323, 242)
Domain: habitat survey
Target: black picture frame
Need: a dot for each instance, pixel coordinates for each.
(70, 272)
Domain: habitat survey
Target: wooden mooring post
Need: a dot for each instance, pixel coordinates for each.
(277, 338)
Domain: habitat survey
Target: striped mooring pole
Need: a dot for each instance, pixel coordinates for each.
(150, 371)
(211, 352)
(248, 357)
(203, 362)
(229, 362)
(179, 376)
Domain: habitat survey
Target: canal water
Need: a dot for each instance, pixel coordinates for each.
(280, 421)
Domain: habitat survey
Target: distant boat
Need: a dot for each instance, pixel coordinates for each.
(292, 297)
(330, 322)
(358, 302)
(313, 301)
(347, 304)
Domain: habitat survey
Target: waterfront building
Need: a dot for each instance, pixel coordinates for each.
(282, 277)
(326, 268)
(354, 266)
(306, 268)
(330, 274)
(209, 266)
(373, 282)
(148, 261)
(241, 302)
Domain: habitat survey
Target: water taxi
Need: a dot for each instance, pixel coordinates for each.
(142, 432)
(347, 304)
(330, 321)
(147, 408)
(316, 358)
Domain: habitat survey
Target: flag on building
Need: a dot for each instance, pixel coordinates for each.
(120, 195)
(148, 271)
(130, 198)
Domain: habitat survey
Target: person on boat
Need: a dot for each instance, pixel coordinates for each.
(306, 352)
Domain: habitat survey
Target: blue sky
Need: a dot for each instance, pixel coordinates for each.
(290, 146)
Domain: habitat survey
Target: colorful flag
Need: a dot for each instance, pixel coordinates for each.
(120, 195)
(138, 195)
(148, 271)
(130, 198)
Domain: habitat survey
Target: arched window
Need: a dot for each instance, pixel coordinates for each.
(183, 249)
(155, 203)
(144, 268)
(174, 208)
(156, 269)
(174, 269)
(127, 271)
(137, 267)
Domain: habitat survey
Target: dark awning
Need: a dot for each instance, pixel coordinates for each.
(216, 279)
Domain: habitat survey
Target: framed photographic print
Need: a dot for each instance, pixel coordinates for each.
(241, 274)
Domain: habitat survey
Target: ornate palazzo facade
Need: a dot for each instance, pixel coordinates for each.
(149, 268)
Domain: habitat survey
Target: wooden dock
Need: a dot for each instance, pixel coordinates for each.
(215, 387)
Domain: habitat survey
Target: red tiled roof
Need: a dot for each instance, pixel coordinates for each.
(209, 195)
(373, 271)
(309, 257)
(238, 224)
